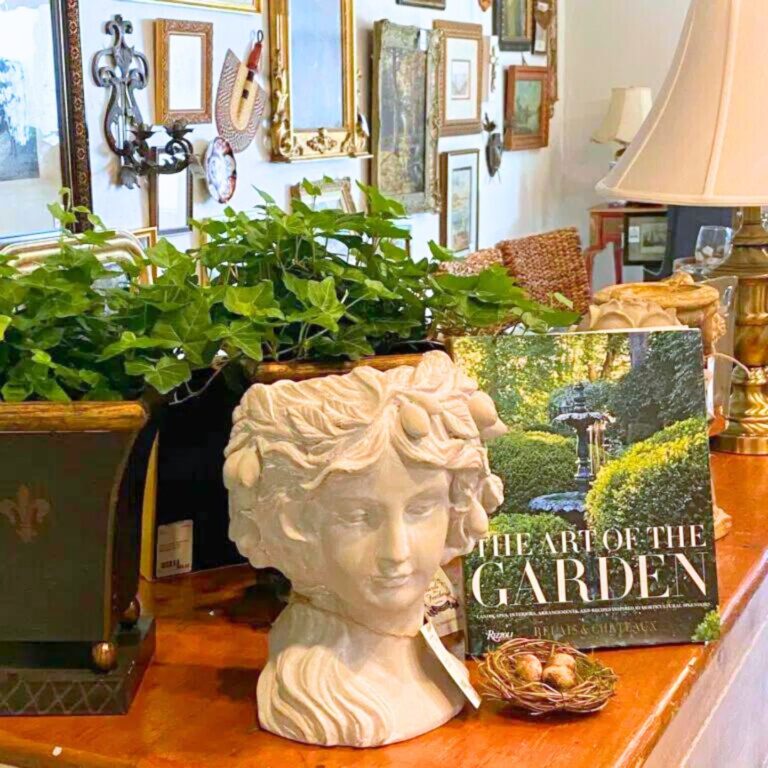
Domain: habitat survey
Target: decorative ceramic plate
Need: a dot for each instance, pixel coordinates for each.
(220, 170)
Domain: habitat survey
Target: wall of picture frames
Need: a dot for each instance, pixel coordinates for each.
(541, 175)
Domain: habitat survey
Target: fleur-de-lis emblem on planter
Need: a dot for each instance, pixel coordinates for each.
(25, 513)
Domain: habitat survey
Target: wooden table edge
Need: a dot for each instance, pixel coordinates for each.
(644, 742)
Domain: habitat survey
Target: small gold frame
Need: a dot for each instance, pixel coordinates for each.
(27, 255)
(254, 6)
(341, 187)
(164, 29)
(288, 143)
(473, 32)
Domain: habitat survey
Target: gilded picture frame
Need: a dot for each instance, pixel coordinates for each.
(170, 105)
(238, 6)
(335, 194)
(513, 23)
(406, 114)
(527, 111)
(291, 141)
(461, 78)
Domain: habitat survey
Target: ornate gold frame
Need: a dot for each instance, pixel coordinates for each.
(164, 28)
(341, 186)
(289, 144)
(26, 255)
(220, 5)
(387, 35)
(460, 30)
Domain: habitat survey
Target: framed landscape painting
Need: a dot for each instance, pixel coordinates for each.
(513, 23)
(405, 115)
(527, 108)
(461, 78)
(43, 138)
(460, 174)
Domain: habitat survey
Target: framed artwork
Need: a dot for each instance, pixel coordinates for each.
(527, 108)
(438, 5)
(513, 23)
(184, 71)
(406, 115)
(336, 195)
(43, 136)
(147, 237)
(314, 81)
(171, 202)
(461, 78)
(645, 239)
(460, 175)
(243, 6)
(30, 252)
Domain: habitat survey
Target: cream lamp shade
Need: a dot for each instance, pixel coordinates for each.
(626, 113)
(705, 142)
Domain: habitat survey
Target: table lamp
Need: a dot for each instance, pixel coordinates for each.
(705, 144)
(626, 113)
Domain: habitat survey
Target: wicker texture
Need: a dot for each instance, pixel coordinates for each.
(548, 264)
(595, 683)
(474, 263)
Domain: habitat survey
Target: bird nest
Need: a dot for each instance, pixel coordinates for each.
(594, 684)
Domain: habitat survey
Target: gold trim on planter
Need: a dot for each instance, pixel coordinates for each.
(459, 30)
(73, 417)
(288, 143)
(164, 28)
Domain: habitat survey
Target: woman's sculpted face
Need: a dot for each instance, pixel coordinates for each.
(384, 535)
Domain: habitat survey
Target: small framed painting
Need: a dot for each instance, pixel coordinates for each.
(461, 78)
(438, 5)
(170, 202)
(335, 195)
(645, 239)
(527, 108)
(513, 23)
(147, 237)
(184, 67)
(459, 225)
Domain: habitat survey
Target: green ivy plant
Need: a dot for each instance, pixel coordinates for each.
(286, 286)
(330, 284)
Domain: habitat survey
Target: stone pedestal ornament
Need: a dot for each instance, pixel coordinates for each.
(358, 488)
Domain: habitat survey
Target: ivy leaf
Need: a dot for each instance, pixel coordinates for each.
(129, 341)
(16, 391)
(248, 340)
(256, 301)
(50, 389)
(323, 295)
(440, 253)
(5, 321)
(168, 374)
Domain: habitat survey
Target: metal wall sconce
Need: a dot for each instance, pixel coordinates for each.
(124, 70)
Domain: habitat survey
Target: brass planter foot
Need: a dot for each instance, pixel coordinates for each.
(132, 614)
(104, 656)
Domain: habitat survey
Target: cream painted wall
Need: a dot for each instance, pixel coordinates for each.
(608, 43)
(523, 201)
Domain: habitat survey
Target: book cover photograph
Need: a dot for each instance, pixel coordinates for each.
(605, 537)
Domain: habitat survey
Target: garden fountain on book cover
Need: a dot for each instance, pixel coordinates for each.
(589, 427)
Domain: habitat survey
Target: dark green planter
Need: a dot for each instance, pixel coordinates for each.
(71, 490)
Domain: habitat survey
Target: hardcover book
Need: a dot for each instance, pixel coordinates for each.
(605, 537)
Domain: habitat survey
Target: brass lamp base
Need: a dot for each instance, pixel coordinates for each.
(747, 430)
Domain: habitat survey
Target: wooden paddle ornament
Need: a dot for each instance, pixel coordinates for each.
(240, 99)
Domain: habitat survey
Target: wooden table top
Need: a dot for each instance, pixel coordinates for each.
(196, 708)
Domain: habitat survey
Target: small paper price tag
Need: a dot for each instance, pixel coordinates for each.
(542, 6)
(453, 666)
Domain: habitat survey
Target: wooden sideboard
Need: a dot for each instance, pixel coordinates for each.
(685, 705)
